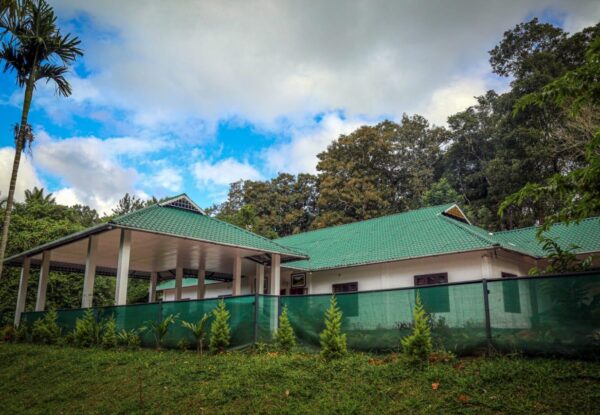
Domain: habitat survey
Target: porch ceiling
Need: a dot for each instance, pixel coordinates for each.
(152, 252)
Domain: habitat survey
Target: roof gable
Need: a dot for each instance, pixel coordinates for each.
(182, 202)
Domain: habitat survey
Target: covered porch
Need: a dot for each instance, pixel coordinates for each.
(171, 240)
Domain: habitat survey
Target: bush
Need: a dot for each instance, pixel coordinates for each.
(198, 329)
(160, 328)
(220, 332)
(87, 330)
(109, 333)
(23, 334)
(418, 345)
(129, 339)
(46, 330)
(284, 336)
(8, 333)
(333, 341)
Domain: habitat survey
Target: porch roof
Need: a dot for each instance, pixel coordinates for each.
(175, 218)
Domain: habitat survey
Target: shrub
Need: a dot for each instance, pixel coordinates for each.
(160, 328)
(109, 333)
(23, 333)
(284, 336)
(333, 341)
(8, 333)
(220, 332)
(46, 330)
(198, 329)
(183, 345)
(418, 345)
(129, 339)
(87, 330)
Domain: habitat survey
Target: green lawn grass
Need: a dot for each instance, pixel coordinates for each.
(54, 380)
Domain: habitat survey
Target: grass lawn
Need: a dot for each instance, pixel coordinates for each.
(49, 379)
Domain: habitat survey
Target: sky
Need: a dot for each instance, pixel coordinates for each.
(189, 96)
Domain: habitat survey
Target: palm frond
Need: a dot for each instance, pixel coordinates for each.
(57, 74)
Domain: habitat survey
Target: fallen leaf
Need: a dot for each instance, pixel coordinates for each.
(435, 386)
(287, 393)
(463, 398)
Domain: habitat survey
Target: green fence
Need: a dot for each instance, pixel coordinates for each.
(248, 324)
(535, 315)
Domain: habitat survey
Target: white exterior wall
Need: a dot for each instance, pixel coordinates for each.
(212, 290)
(466, 266)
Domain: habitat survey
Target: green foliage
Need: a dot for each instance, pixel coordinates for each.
(577, 190)
(46, 330)
(198, 329)
(160, 328)
(87, 331)
(560, 259)
(109, 339)
(439, 193)
(8, 333)
(418, 345)
(284, 336)
(129, 338)
(333, 341)
(220, 333)
(23, 333)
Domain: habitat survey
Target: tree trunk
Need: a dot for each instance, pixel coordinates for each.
(19, 147)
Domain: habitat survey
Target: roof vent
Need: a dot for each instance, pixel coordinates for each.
(455, 212)
(182, 202)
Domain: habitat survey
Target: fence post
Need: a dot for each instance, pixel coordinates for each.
(488, 324)
(256, 316)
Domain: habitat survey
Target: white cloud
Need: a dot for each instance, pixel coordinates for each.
(27, 177)
(299, 154)
(167, 178)
(264, 60)
(453, 98)
(94, 171)
(223, 172)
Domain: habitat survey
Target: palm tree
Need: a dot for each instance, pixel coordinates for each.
(36, 195)
(35, 50)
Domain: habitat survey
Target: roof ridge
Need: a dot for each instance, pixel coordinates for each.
(126, 215)
(472, 232)
(257, 235)
(538, 226)
(365, 220)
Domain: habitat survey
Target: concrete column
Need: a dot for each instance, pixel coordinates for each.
(123, 267)
(275, 280)
(486, 266)
(90, 273)
(152, 287)
(237, 275)
(201, 287)
(22, 294)
(178, 282)
(260, 278)
(40, 304)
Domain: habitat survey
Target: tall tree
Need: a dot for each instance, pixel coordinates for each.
(377, 170)
(579, 189)
(32, 49)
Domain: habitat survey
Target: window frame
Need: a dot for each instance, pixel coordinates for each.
(431, 280)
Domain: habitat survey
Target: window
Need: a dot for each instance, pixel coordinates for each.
(511, 294)
(435, 299)
(297, 291)
(348, 303)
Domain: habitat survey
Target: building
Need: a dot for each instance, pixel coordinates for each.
(191, 255)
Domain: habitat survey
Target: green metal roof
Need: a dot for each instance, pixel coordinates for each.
(174, 221)
(585, 235)
(186, 282)
(165, 219)
(421, 233)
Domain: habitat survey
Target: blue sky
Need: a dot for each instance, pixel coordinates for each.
(189, 96)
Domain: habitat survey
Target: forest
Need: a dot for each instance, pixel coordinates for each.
(526, 156)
